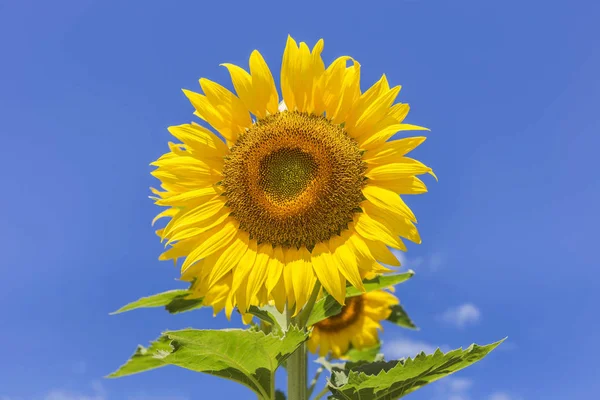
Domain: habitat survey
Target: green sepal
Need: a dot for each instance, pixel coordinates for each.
(401, 318)
(380, 282)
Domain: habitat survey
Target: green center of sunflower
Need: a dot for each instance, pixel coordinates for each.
(348, 316)
(294, 179)
(285, 173)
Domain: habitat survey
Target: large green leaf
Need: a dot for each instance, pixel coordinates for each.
(401, 318)
(394, 379)
(328, 306)
(174, 302)
(247, 357)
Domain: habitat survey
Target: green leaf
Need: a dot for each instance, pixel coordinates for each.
(380, 282)
(145, 359)
(401, 318)
(368, 354)
(270, 315)
(324, 308)
(174, 302)
(247, 357)
(279, 395)
(328, 306)
(394, 379)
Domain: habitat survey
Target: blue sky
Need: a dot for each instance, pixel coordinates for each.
(510, 90)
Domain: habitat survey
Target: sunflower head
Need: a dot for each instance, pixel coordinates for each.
(294, 194)
(294, 180)
(357, 325)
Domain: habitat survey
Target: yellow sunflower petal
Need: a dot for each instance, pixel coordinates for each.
(258, 273)
(399, 111)
(350, 92)
(263, 84)
(242, 271)
(392, 151)
(381, 253)
(388, 201)
(402, 185)
(200, 140)
(330, 278)
(234, 114)
(397, 224)
(378, 138)
(211, 241)
(405, 167)
(371, 229)
(278, 294)
(373, 113)
(275, 268)
(346, 260)
(300, 71)
(228, 259)
(289, 69)
(303, 275)
(242, 83)
(365, 100)
(330, 86)
(169, 212)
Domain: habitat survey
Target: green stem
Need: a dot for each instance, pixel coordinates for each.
(296, 368)
(297, 362)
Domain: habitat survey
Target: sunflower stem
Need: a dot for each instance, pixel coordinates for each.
(297, 363)
(297, 368)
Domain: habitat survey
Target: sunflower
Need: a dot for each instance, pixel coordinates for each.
(289, 193)
(357, 324)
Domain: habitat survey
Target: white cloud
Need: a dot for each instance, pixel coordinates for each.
(458, 397)
(429, 263)
(400, 348)
(451, 388)
(98, 393)
(502, 396)
(459, 384)
(462, 315)
(144, 396)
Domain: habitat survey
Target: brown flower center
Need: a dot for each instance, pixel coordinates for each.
(294, 179)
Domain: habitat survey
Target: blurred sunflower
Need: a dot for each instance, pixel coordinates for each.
(357, 324)
(306, 190)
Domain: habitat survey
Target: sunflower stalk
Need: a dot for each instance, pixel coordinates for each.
(297, 364)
